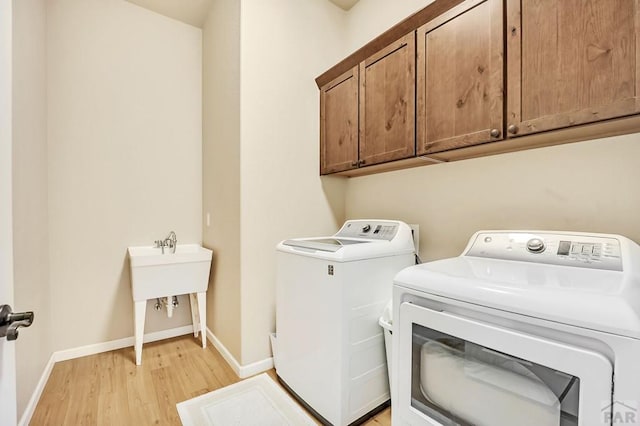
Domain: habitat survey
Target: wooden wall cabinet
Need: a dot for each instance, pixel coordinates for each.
(339, 123)
(387, 103)
(367, 115)
(571, 63)
(460, 77)
(567, 64)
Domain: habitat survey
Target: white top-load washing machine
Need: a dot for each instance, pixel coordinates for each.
(330, 293)
(524, 328)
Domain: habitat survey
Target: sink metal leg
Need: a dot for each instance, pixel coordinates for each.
(140, 311)
(195, 321)
(202, 316)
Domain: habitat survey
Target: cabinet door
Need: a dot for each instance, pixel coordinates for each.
(387, 103)
(460, 77)
(570, 62)
(339, 123)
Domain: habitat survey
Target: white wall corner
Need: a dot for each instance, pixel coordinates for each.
(242, 371)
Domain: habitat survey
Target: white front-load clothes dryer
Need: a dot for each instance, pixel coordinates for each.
(330, 293)
(527, 328)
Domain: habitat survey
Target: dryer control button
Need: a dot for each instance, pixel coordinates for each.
(535, 245)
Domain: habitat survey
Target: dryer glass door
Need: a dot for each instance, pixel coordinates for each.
(459, 371)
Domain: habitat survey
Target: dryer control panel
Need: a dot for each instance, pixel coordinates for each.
(369, 229)
(581, 250)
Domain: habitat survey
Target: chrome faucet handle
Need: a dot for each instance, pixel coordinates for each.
(171, 241)
(172, 237)
(159, 244)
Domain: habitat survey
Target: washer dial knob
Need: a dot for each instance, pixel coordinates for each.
(536, 245)
(366, 228)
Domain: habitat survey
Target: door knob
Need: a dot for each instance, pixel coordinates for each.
(495, 133)
(10, 321)
(513, 129)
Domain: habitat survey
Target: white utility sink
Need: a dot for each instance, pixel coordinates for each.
(156, 275)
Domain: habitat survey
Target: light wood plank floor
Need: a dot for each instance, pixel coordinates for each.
(108, 388)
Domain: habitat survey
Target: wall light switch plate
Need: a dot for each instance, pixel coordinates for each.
(415, 233)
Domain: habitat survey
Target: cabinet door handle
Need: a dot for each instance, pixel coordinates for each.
(513, 129)
(354, 164)
(495, 133)
(361, 163)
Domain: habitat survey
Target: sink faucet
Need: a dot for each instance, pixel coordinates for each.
(170, 242)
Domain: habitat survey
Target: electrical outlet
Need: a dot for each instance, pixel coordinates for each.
(415, 233)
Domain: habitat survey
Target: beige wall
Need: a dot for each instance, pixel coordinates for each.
(260, 154)
(221, 168)
(586, 186)
(124, 141)
(30, 212)
(370, 18)
(285, 44)
(282, 195)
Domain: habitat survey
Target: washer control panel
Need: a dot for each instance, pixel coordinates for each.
(373, 230)
(582, 250)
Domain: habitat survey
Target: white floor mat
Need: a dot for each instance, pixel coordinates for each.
(257, 401)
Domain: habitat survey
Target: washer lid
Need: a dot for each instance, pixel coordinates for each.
(597, 299)
(356, 240)
(322, 244)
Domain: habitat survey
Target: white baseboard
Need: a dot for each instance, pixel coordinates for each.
(37, 393)
(242, 371)
(120, 343)
(97, 348)
(256, 367)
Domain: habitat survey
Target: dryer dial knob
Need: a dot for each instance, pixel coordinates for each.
(535, 245)
(366, 228)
